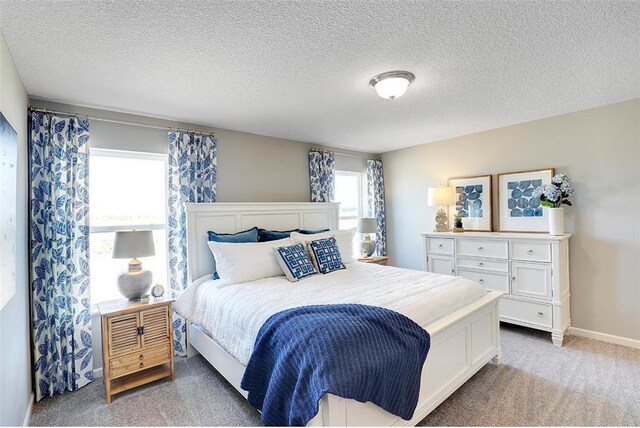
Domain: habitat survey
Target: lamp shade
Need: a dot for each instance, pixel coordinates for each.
(367, 225)
(130, 244)
(438, 196)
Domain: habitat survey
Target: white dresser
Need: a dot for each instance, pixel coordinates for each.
(531, 269)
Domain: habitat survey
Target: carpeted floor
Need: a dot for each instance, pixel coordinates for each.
(585, 382)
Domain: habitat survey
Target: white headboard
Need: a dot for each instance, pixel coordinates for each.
(225, 217)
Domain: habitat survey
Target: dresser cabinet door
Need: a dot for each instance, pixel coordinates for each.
(441, 264)
(123, 334)
(531, 280)
(155, 324)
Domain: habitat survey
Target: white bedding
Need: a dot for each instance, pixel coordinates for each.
(233, 314)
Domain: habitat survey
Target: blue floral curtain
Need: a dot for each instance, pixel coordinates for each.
(322, 175)
(61, 309)
(375, 181)
(192, 178)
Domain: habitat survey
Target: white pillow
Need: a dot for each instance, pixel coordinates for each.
(242, 262)
(344, 239)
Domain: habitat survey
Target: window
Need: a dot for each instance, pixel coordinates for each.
(351, 192)
(127, 191)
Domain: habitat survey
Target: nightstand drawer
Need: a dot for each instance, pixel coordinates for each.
(140, 360)
(440, 245)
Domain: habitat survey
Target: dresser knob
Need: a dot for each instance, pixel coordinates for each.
(481, 281)
(440, 246)
(453, 271)
(540, 314)
(513, 278)
(530, 252)
(480, 264)
(480, 249)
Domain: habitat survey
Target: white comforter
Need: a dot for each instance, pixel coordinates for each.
(233, 314)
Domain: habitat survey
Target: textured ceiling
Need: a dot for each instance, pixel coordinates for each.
(300, 70)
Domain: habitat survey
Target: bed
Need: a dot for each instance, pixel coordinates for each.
(463, 322)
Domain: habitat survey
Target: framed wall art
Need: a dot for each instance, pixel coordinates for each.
(8, 210)
(519, 209)
(472, 196)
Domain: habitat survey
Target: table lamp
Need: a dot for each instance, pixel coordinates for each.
(441, 197)
(136, 282)
(367, 225)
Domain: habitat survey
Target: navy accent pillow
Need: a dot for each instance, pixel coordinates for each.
(311, 232)
(294, 261)
(265, 235)
(325, 255)
(249, 235)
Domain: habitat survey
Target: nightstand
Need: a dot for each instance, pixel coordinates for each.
(380, 260)
(137, 343)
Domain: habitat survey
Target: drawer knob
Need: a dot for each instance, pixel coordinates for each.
(481, 249)
(540, 314)
(141, 356)
(513, 278)
(481, 281)
(440, 246)
(530, 252)
(480, 264)
(453, 271)
(141, 364)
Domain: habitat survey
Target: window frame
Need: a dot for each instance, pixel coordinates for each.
(126, 154)
(362, 194)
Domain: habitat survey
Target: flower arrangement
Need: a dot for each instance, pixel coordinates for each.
(557, 193)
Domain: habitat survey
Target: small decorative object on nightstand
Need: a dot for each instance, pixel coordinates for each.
(441, 197)
(157, 291)
(137, 343)
(381, 260)
(367, 226)
(457, 224)
(134, 283)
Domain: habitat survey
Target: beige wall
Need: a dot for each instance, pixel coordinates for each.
(15, 344)
(598, 148)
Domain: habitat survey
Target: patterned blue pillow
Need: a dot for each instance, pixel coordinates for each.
(325, 255)
(294, 261)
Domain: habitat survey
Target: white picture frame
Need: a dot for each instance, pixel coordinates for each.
(8, 210)
(473, 200)
(518, 210)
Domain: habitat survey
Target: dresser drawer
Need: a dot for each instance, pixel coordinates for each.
(491, 265)
(491, 281)
(528, 312)
(482, 248)
(440, 245)
(531, 251)
(140, 360)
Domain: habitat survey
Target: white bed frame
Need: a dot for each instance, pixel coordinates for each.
(461, 343)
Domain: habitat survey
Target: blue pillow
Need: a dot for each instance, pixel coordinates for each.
(325, 255)
(265, 235)
(294, 262)
(249, 235)
(311, 232)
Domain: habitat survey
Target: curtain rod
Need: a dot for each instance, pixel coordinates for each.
(316, 149)
(120, 122)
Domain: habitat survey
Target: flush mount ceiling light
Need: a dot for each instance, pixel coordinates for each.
(392, 84)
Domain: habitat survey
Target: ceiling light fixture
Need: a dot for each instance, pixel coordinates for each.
(392, 84)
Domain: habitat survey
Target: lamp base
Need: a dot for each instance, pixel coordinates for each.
(442, 221)
(136, 282)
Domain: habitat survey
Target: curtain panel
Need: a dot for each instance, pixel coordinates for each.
(375, 182)
(322, 175)
(59, 253)
(192, 178)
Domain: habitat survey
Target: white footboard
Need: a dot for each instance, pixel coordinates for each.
(461, 344)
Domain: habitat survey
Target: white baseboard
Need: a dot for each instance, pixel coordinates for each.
(97, 373)
(27, 416)
(604, 337)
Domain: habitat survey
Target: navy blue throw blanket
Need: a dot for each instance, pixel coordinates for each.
(361, 352)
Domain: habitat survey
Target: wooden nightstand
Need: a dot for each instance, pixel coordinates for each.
(380, 260)
(137, 343)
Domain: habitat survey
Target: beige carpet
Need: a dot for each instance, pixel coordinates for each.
(585, 382)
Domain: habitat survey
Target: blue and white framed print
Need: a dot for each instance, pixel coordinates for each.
(472, 202)
(520, 210)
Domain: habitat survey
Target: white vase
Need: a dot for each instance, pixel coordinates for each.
(556, 221)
